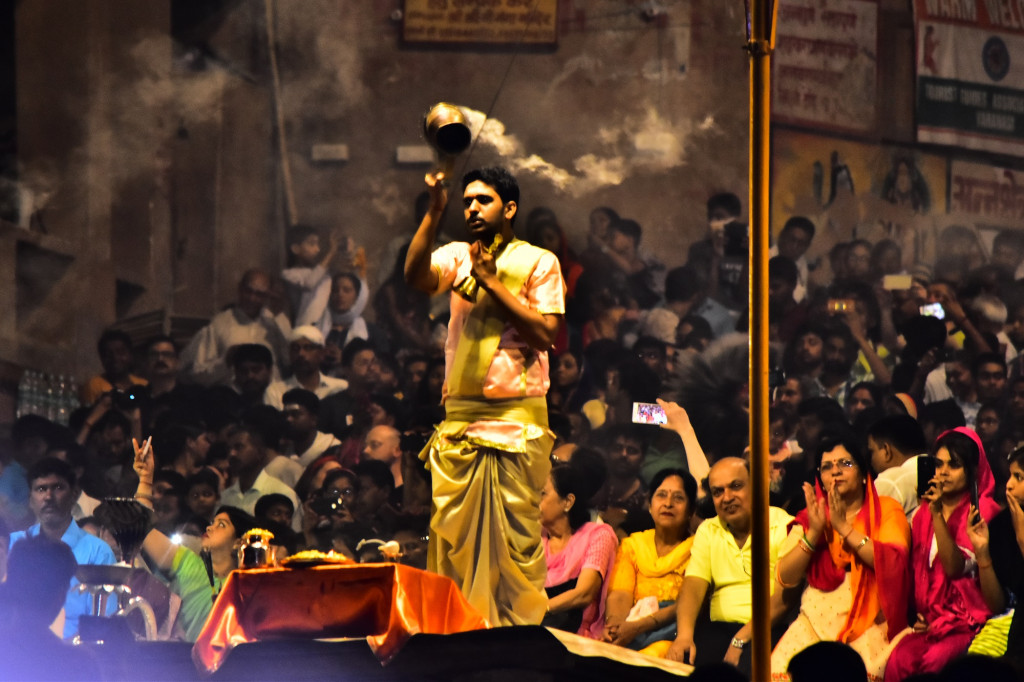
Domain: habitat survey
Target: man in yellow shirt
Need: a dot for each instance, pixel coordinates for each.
(115, 351)
(720, 560)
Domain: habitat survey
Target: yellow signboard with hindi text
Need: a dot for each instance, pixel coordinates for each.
(533, 22)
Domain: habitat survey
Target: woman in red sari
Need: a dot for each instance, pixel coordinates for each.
(854, 555)
(950, 605)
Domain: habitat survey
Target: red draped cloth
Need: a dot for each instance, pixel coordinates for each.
(386, 603)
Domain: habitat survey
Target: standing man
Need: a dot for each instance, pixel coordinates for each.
(489, 457)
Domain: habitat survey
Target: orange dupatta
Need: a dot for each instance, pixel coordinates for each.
(885, 588)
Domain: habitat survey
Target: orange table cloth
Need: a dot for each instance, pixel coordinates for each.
(386, 603)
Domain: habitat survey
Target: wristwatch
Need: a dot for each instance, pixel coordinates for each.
(738, 643)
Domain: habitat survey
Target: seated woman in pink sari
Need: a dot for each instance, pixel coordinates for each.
(950, 605)
(579, 553)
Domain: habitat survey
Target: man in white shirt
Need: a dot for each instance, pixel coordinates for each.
(300, 410)
(204, 360)
(247, 457)
(306, 351)
(273, 426)
(793, 242)
(895, 443)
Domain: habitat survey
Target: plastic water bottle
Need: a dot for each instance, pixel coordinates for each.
(49, 394)
(61, 404)
(23, 393)
(72, 396)
(31, 392)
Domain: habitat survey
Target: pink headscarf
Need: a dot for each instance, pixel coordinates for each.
(986, 481)
(951, 604)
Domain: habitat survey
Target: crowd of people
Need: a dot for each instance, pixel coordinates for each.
(896, 442)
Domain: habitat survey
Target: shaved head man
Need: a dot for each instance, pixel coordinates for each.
(383, 443)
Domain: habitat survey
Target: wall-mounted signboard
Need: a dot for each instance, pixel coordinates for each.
(496, 22)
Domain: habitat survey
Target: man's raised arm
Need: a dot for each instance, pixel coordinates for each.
(418, 272)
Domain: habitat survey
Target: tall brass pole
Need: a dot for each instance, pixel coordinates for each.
(761, 42)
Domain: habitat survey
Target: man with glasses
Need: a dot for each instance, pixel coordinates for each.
(720, 561)
(655, 354)
(53, 491)
(166, 393)
(162, 366)
(204, 360)
(328, 519)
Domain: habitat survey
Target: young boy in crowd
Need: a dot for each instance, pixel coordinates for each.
(308, 282)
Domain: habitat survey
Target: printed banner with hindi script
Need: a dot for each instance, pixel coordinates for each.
(825, 66)
(533, 22)
(970, 92)
(851, 189)
(986, 196)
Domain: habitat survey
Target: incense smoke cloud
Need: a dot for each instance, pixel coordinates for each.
(125, 131)
(645, 143)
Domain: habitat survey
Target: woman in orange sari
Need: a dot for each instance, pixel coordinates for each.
(854, 555)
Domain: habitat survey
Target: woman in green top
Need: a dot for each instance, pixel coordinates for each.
(187, 575)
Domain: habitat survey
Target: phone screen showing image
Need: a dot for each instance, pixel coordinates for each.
(897, 282)
(648, 413)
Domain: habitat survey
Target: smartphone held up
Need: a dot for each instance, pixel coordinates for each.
(648, 413)
(925, 473)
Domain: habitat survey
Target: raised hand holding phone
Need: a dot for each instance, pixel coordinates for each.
(977, 533)
(649, 413)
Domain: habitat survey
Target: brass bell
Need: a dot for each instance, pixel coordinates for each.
(446, 130)
(468, 287)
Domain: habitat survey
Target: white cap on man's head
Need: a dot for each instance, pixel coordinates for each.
(309, 333)
(660, 323)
